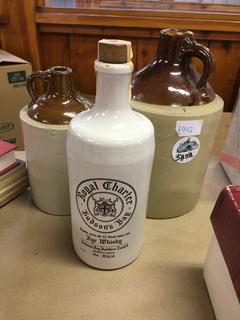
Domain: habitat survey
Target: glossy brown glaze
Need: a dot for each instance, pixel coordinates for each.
(171, 79)
(60, 103)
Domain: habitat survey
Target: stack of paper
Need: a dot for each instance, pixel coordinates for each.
(13, 174)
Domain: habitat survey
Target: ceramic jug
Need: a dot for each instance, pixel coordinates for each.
(185, 112)
(45, 123)
(109, 181)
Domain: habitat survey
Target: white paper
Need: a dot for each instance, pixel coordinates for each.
(189, 128)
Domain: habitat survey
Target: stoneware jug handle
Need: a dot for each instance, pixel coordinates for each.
(43, 75)
(203, 53)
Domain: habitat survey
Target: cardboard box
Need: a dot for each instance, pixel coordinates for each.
(13, 96)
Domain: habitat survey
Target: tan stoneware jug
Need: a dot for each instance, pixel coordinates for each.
(185, 112)
(45, 123)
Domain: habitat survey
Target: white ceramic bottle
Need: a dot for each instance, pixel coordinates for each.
(110, 152)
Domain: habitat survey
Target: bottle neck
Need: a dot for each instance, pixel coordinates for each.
(171, 47)
(113, 87)
(62, 84)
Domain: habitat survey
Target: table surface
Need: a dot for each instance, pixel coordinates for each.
(42, 278)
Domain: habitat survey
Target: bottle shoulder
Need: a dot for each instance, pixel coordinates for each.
(119, 127)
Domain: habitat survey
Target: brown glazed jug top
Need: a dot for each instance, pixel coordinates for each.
(60, 103)
(171, 79)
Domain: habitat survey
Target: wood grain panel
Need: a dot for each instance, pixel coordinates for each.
(145, 5)
(4, 18)
(133, 32)
(83, 53)
(54, 50)
(227, 55)
(19, 36)
(145, 52)
(4, 7)
(137, 21)
(191, 13)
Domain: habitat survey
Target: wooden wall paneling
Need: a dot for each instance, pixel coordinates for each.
(227, 56)
(40, 3)
(133, 32)
(19, 36)
(134, 50)
(213, 35)
(4, 18)
(33, 35)
(3, 7)
(146, 51)
(151, 19)
(55, 50)
(83, 53)
(191, 12)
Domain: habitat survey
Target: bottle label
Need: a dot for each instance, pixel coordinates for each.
(186, 149)
(105, 206)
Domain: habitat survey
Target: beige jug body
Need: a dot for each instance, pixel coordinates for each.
(176, 185)
(45, 124)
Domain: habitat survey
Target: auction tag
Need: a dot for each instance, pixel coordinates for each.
(189, 128)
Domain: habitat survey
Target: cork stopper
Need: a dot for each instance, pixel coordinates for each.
(114, 51)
